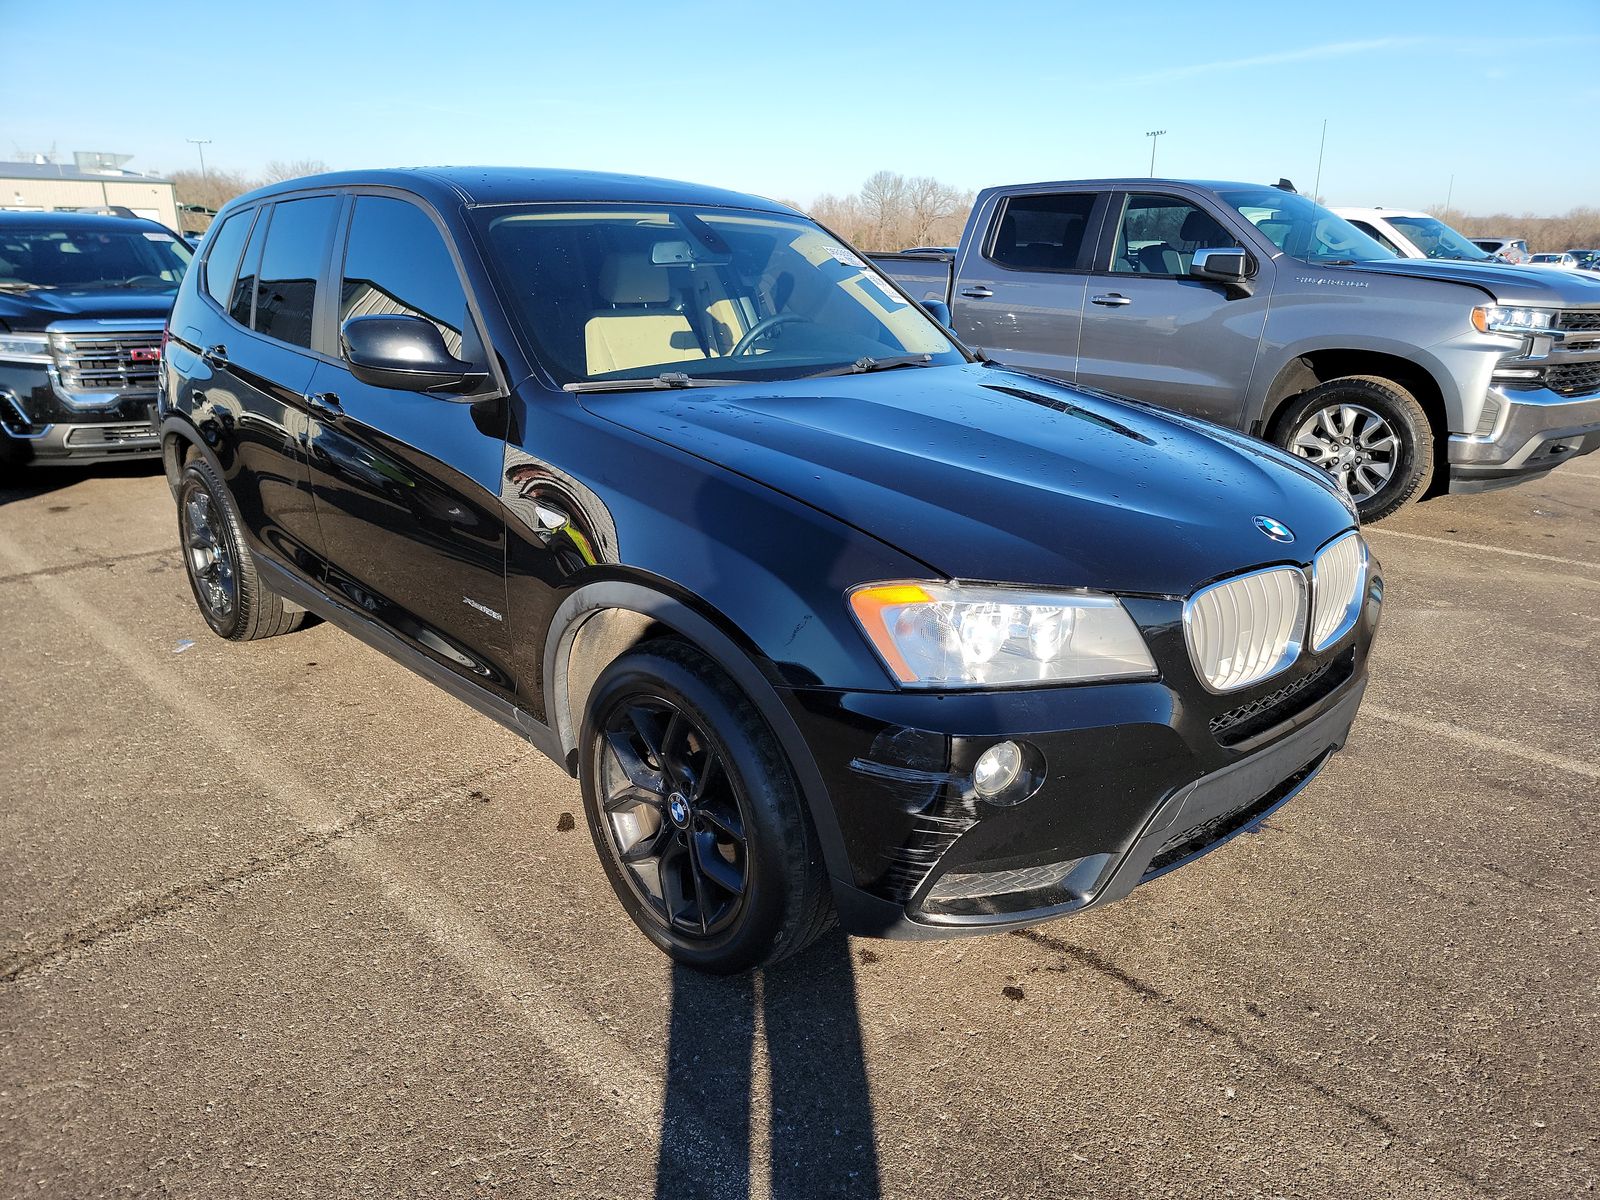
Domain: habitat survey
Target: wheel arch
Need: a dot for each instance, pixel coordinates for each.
(1314, 367)
(181, 441)
(600, 621)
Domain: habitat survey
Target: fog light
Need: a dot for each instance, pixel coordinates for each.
(997, 769)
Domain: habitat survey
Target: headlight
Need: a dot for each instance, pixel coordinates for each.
(1493, 318)
(24, 347)
(936, 635)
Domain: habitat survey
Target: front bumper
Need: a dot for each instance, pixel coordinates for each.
(70, 438)
(1537, 431)
(1138, 779)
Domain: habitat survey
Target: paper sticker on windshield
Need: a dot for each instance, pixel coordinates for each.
(159, 237)
(840, 254)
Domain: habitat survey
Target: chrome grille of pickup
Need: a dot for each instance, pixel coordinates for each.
(1573, 379)
(1578, 320)
(1244, 630)
(115, 361)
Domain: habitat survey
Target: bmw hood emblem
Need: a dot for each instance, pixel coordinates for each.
(1275, 529)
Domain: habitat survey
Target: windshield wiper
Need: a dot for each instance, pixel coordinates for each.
(862, 366)
(20, 286)
(667, 379)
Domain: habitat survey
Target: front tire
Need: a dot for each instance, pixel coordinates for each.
(222, 573)
(1369, 433)
(696, 814)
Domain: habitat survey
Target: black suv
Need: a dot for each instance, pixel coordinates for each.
(83, 298)
(826, 615)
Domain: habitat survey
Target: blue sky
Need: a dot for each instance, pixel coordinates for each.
(795, 99)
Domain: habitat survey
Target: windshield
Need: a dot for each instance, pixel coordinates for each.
(1437, 240)
(86, 257)
(614, 292)
(1302, 228)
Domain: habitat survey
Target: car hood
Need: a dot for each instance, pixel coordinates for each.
(989, 474)
(24, 312)
(1506, 283)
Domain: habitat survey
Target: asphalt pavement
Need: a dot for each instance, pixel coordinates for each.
(282, 919)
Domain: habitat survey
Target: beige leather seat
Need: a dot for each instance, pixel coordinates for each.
(640, 328)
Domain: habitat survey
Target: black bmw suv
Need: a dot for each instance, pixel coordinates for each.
(83, 299)
(828, 615)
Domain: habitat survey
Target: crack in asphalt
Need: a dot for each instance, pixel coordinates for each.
(1145, 991)
(87, 564)
(126, 917)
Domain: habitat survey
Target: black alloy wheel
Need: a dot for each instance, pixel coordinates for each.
(694, 809)
(673, 816)
(209, 557)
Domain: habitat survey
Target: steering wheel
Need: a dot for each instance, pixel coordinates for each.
(144, 281)
(763, 327)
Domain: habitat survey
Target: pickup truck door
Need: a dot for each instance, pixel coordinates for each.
(1153, 332)
(1019, 288)
(407, 484)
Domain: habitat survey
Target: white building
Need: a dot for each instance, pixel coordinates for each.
(93, 181)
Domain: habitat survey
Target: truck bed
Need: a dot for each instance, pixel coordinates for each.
(925, 276)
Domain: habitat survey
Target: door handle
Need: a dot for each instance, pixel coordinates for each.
(1110, 300)
(977, 293)
(326, 404)
(215, 356)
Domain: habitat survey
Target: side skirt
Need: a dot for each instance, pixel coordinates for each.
(336, 612)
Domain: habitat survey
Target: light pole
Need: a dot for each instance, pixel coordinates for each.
(200, 144)
(1154, 135)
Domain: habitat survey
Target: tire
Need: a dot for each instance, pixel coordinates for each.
(222, 572)
(665, 726)
(1335, 422)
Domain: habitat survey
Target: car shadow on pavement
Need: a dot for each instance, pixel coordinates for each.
(820, 1121)
(26, 482)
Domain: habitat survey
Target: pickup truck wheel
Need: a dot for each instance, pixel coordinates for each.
(696, 814)
(222, 574)
(1369, 433)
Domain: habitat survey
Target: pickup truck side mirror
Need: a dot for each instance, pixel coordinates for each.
(1226, 265)
(938, 310)
(407, 353)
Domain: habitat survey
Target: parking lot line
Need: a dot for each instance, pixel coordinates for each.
(566, 1032)
(1460, 545)
(1482, 741)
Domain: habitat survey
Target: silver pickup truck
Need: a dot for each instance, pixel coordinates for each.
(1254, 307)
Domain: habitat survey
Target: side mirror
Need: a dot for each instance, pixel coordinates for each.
(938, 310)
(407, 353)
(1229, 265)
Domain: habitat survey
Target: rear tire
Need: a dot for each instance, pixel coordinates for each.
(696, 814)
(222, 572)
(1369, 433)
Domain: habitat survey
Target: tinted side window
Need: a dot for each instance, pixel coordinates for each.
(396, 264)
(291, 264)
(1373, 232)
(1042, 232)
(222, 258)
(1159, 235)
(244, 288)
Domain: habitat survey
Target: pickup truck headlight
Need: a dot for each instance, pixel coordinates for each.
(24, 347)
(936, 635)
(1495, 318)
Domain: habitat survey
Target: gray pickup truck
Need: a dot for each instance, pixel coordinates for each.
(1254, 307)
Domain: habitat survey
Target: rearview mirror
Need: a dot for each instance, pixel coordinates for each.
(1227, 265)
(407, 353)
(938, 310)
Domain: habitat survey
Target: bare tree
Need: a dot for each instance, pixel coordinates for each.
(211, 190)
(278, 170)
(892, 212)
(1579, 228)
